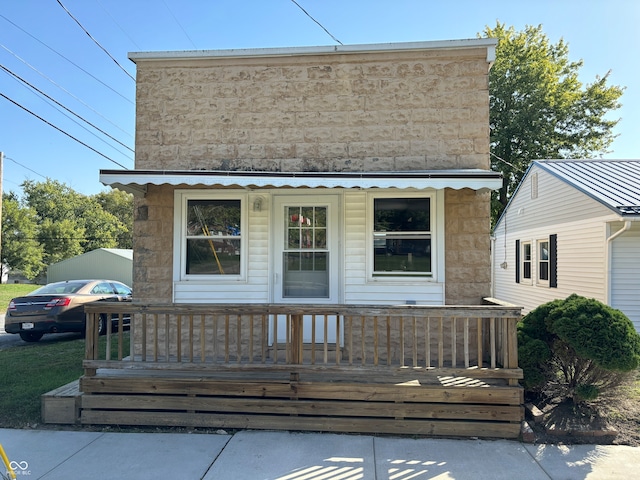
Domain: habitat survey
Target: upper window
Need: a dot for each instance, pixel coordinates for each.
(402, 236)
(213, 237)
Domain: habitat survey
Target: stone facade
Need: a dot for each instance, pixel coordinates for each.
(414, 110)
(419, 109)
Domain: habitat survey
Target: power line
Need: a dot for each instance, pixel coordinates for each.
(95, 41)
(321, 26)
(118, 25)
(81, 126)
(183, 30)
(65, 90)
(62, 131)
(24, 166)
(507, 163)
(59, 54)
(61, 105)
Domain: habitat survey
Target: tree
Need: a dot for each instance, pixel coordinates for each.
(20, 248)
(72, 223)
(120, 205)
(539, 109)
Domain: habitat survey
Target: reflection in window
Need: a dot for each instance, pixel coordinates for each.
(402, 236)
(543, 261)
(526, 260)
(305, 257)
(213, 237)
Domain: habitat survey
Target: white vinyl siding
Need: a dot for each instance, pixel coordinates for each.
(580, 225)
(625, 276)
(358, 286)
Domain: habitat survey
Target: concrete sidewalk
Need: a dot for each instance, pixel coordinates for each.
(251, 455)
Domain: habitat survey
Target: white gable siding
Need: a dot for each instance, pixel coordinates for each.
(625, 277)
(579, 223)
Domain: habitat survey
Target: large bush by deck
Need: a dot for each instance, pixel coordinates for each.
(578, 346)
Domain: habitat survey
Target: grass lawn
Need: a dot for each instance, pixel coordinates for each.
(11, 290)
(29, 370)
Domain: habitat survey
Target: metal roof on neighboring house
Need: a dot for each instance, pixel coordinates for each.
(614, 183)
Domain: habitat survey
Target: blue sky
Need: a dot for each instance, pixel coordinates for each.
(44, 46)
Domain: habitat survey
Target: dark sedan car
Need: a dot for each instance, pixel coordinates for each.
(59, 307)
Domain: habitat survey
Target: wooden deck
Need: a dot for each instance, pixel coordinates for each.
(442, 371)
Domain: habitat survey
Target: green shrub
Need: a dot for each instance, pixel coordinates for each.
(580, 346)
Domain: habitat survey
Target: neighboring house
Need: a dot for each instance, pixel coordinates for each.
(572, 226)
(343, 174)
(106, 263)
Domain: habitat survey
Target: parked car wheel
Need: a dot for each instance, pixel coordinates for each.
(31, 336)
(102, 325)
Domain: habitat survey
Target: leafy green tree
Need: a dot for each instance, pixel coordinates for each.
(120, 205)
(83, 224)
(20, 247)
(539, 109)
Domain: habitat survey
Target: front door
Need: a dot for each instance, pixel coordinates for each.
(306, 255)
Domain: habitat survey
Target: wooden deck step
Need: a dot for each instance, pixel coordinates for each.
(62, 405)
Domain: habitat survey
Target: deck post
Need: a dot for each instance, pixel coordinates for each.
(296, 339)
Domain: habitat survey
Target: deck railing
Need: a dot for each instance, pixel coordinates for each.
(474, 341)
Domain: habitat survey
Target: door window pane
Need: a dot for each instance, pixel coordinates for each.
(305, 257)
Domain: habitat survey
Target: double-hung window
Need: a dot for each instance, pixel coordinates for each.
(212, 243)
(526, 261)
(543, 261)
(402, 236)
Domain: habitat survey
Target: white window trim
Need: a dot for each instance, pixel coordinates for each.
(181, 197)
(437, 237)
(539, 281)
(532, 261)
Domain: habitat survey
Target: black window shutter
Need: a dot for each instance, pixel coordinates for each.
(517, 261)
(553, 261)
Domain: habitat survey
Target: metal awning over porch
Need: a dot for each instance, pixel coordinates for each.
(136, 181)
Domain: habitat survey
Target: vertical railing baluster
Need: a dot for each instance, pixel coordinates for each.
(427, 342)
(264, 339)
(313, 339)
(226, 339)
(441, 343)
(388, 340)
(239, 339)
(120, 336)
(454, 342)
(179, 337)
(466, 342)
(326, 340)
(349, 327)
(251, 338)
(375, 340)
(362, 339)
(480, 341)
(144, 338)
(338, 353)
(275, 338)
(401, 331)
(155, 337)
(492, 330)
(415, 342)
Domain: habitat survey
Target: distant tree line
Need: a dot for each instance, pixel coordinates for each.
(51, 222)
